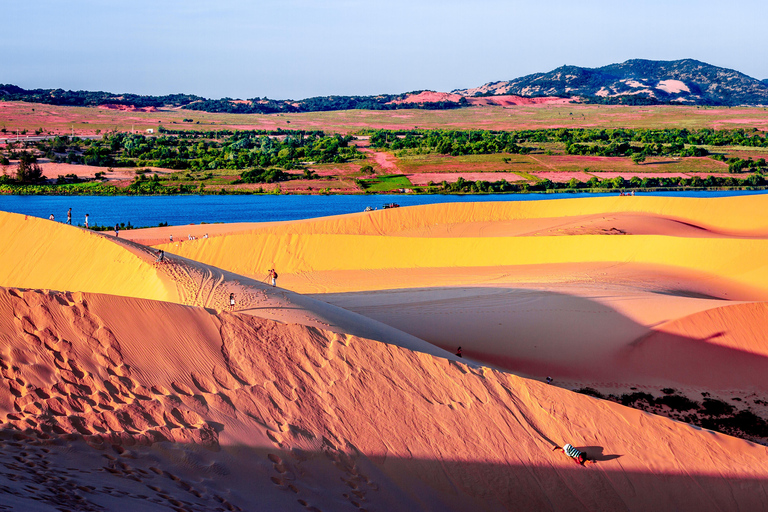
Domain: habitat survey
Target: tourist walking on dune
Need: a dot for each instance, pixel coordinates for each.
(86, 221)
(69, 216)
(458, 352)
(117, 230)
(50, 217)
(578, 457)
(160, 256)
(231, 301)
(273, 277)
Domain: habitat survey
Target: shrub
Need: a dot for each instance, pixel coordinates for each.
(28, 171)
(678, 403)
(715, 407)
(591, 392)
(630, 399)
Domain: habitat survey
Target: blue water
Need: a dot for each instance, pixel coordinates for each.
(178, 210)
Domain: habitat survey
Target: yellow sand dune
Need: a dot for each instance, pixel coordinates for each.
(740, 215)
(308, 253)
(41, 254)
(118, 403)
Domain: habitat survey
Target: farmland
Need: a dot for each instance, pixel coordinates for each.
(532, 155)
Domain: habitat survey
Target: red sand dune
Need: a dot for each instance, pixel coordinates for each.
(127, 108)
(428, 97)
(502, 100)
(511, 100)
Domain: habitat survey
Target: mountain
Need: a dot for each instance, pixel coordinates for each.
(638, 81)
(635, 81)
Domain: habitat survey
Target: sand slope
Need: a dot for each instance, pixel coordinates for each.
(579, 289)
(49, 255)
(161, 406)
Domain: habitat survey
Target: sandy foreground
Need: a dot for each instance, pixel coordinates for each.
(129, 384)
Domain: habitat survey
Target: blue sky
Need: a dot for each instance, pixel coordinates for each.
(298, 48)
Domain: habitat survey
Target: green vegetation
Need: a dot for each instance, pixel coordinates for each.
(384, 183)
(576, 141)
(262, 176)
(453, 142)
(203, 160)
(200, 150)
(28, 171)
(594, 184)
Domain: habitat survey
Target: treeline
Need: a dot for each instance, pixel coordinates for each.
(703, 137)
(95, 189)
(318, 104)
(578, 141)
(594, 183)
(626, 149)
(453, 142)
(9, 92)
(239, 150)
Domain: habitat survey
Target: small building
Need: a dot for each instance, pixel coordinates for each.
(150, 130)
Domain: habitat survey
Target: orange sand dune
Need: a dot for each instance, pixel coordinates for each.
(117, 403)
(718, 348)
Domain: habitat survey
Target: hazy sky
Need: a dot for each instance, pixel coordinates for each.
(300, 48)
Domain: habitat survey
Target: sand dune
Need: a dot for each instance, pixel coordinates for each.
(134, 387)
(686, 235)
(220, 411)
(47, 255)
(535, 287)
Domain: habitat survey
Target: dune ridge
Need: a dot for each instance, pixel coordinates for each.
(48, 255)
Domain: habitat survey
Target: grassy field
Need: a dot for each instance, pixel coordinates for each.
(541, 162)
(88, 120)
(385, 183)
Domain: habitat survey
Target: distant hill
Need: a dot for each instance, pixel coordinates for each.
(9, 92)
(638, 81)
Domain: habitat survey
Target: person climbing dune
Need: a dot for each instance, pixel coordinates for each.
(578, 457)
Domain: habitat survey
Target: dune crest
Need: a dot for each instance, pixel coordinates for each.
(53, 256)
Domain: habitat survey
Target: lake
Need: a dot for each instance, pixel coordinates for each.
(192, 209)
